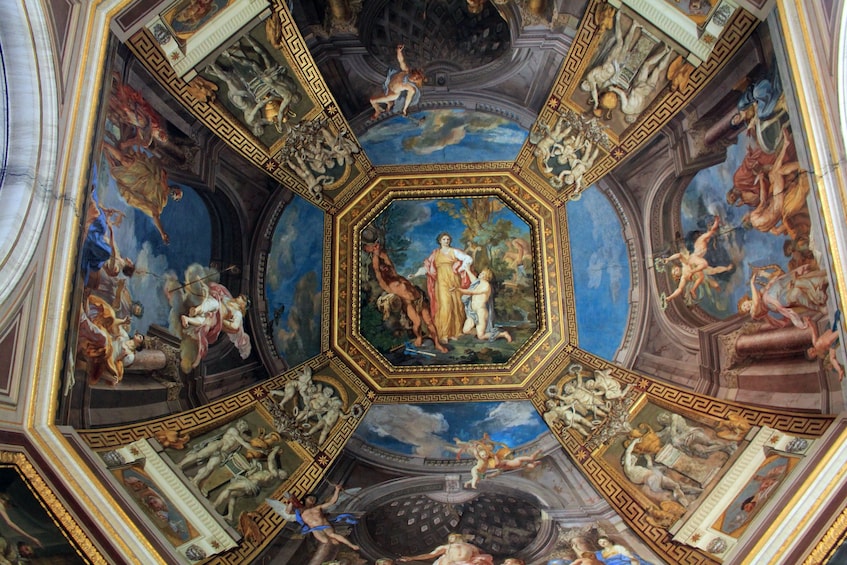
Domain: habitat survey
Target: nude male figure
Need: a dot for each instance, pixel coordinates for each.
(412, 297)
(313, 519)
(693, 265)
(250, 484)
(216, 451)
(455, 552)
(407, 82)
(479, 316)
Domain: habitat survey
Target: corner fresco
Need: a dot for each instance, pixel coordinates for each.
(139, 257)
(234, 466)
(257, 87)
(443, 136)
(155, 291)
(293, 282)
(602, 281)
(746, 248)
(447, 281)
(669, 460)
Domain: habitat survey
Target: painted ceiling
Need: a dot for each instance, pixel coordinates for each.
(423, 228)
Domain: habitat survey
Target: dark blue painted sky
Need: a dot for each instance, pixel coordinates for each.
(705, 197)
(296, 252)
(189, 228)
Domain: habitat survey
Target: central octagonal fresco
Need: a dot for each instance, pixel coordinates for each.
(442, 282)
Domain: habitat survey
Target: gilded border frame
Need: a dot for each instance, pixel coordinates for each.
(64, 520)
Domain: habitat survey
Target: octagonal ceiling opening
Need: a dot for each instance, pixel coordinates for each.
(445, 277)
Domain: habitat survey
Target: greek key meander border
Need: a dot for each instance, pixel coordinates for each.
(657, 116)
(666, 105)
(233, 132)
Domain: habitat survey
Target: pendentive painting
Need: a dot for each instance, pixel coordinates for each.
(447, 281)
(601, 273)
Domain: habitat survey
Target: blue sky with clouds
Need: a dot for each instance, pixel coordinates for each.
(426, 429)
(600, 269)
(443, 136)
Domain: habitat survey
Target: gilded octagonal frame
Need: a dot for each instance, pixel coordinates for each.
(551, 285)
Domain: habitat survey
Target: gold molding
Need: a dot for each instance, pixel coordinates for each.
(66, 523)
(834, 536)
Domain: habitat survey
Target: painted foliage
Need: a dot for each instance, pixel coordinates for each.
(447, 281)
(602, 280)
(293, 282)
(443, 136)
(27, 532)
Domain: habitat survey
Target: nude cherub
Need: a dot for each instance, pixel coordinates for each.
(694, 267)
(579, 164)
(405, 83)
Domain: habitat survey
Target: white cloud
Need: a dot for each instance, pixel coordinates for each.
(505, 136)
(511, 415)
(281, 259)
(411, 425)
(146, 287)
